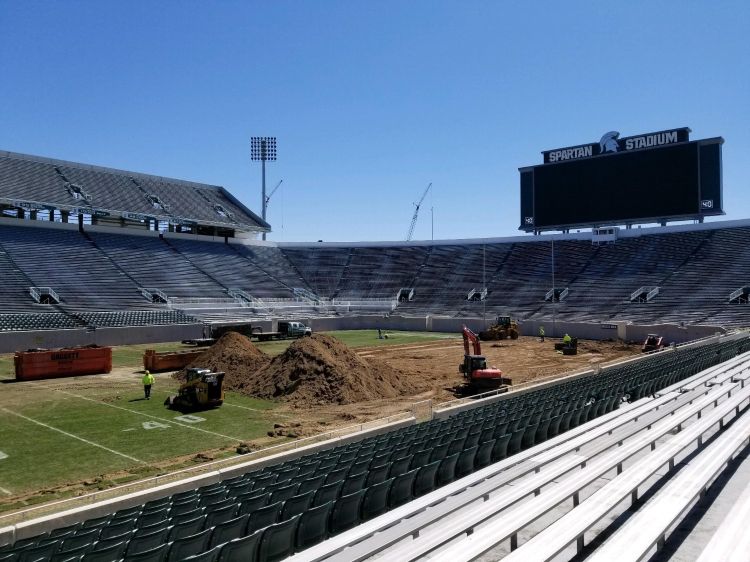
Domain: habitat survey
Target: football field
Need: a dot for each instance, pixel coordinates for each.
(64, 437)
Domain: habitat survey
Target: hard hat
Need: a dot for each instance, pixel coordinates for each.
(147, 372)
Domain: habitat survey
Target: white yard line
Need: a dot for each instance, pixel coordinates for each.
(37, 422)
(167, 420)
(153, 390)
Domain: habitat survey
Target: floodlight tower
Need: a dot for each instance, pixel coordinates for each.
(263, 149)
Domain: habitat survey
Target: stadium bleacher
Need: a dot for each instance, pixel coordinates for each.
(99, 271)
(68, 185)
(269, 514)
(685, 265)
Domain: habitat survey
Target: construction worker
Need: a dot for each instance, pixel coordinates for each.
(567, 339)
(541, 333)
(148, 380)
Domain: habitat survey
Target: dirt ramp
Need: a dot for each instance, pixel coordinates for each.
(322, 370)
(236, 355)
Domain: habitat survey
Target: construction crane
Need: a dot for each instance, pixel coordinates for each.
(416, 213)
(268, 197)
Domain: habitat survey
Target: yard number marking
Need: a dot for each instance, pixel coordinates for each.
(154, 425)
(189, 418)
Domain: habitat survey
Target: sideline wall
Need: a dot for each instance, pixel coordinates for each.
(20, 341)
(584, 330)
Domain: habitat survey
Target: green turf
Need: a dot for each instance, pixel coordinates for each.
(364, 338)
(109, 410)
(113, 415)
(6, 367)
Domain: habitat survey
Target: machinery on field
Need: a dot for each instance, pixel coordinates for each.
(201, 390)
(474, 368)
(569, 347)
(654, 342)
(502, 329)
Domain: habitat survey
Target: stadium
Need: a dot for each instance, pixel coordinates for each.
(606, 454)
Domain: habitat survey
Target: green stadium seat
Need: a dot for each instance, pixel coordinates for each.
(244, 549)
(188, 546)
(375, 499)
(229, 530)
(264, 517)
(277, 540)
(345, 512)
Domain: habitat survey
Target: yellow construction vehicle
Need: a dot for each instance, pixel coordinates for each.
(201, 390)
(502, 329)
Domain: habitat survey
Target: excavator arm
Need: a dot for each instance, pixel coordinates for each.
(470, 336)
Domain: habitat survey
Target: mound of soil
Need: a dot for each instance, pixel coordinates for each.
(236, 355)
(322, 370)
(315, 370)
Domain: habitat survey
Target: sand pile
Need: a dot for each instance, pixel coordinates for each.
(322, 370)
(237, 357)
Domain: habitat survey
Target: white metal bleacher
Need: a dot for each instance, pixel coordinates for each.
(648, 527)
(633, 545)
(425, 524)
(731, 543)
(509, 522)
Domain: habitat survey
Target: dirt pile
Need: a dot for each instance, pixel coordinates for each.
(316, 370)
(322, 370)
(237, 357)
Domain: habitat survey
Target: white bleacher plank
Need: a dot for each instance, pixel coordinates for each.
(641, 532)
(508, 523)
(731, 542)
(566, 530)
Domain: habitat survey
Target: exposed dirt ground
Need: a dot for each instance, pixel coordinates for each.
(434, 366)
(431, 368)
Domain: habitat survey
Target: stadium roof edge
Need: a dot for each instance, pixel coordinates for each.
(623, 233)
(187, 183)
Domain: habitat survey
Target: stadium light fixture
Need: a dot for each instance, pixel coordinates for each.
(264, 150)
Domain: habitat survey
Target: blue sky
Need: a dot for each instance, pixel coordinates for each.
(370, 101)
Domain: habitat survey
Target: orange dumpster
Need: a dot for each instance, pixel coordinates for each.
(169, 360)
(65, 362)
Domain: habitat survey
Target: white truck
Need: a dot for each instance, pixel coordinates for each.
(294, 329)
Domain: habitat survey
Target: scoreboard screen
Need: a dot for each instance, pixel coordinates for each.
(675, 181)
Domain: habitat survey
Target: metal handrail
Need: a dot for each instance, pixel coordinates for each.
(638, 292)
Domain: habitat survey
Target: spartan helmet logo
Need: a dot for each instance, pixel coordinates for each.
(608, 143)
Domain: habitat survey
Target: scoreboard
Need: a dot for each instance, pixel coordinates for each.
(655, 177)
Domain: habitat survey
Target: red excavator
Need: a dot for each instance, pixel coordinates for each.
(474, 367)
